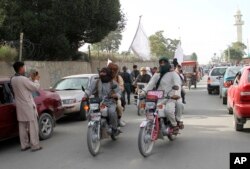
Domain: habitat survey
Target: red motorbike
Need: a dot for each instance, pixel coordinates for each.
(156, 125)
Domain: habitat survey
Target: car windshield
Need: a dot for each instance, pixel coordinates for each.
(72, 84)
(218, 71)
(231, 72)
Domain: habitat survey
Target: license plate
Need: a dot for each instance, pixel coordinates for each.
(150, 116)
(96, 116)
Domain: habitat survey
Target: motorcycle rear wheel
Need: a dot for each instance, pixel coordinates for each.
(93, 140)
(145, 143)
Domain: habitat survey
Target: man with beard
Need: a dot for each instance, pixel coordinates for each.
(165, 80)
(26, 108)
(104, 90)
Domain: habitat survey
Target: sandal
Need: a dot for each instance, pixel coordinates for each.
(37, 149)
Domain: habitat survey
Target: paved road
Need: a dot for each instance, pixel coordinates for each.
(205, 143)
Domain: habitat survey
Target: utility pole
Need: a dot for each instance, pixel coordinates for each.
(21, 47)
(89, 53)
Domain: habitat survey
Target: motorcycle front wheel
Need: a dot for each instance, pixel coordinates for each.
(93, 139)
(145, 143)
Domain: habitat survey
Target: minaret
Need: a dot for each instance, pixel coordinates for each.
(238, 24)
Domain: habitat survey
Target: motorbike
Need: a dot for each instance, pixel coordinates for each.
(140, 101)
(98, 126)
(156, 125)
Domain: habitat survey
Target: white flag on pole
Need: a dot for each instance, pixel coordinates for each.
(140, 45)
(109, 61)
(179, 53)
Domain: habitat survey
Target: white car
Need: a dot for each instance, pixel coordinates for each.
(70, 90)
(213, 80)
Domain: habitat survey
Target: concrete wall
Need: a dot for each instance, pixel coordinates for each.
(51, 72)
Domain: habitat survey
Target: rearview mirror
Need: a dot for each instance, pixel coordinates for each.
(175, 87)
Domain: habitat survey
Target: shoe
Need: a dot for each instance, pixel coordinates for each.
(37, 149)
(184, 102)
(25, 149)
(174, 130)
(116, 132)
(121, 123)
(109, 130)
(180, 124)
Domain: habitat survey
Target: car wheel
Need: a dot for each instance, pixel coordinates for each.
(82, 113)
(46, 126)
(209, 91)
(238, 125)
(230, 110)
(224, 100)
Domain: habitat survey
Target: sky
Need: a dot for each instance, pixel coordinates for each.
(204, 26)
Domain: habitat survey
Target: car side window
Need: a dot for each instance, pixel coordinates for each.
(4, 95)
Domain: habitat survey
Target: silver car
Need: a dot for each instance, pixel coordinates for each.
(213, 81)
(70, 90)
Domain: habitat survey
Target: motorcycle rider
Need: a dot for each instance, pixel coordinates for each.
(165, 80)
(143, 77)
(180, 73)
(103, 89)
(120, 102)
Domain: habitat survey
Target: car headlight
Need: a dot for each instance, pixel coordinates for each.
(69, 101)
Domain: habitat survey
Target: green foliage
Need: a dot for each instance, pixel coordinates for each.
(194, 57)
(235, 52)
(60, 27)
(110, 43)
(8, 54)
(161, 46)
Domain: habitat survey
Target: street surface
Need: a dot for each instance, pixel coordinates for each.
(205, 143)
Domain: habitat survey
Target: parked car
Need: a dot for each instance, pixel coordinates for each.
(73, 98)
(238, 99)
(49, 109)
(213, 80)
(227, 80)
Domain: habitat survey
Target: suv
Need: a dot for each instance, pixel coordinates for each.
(49, 110)
(213, 80)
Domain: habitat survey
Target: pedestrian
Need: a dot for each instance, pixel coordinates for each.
(154, 70)
(127, 83)
(27, 115)
(134, 75)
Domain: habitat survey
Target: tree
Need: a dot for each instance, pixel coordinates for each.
(112, 41)
(194, 57)
(161, 46)
(235, 52)
(59, 27)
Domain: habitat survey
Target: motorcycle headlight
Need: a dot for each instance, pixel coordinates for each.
(94, 106)
(150, 105)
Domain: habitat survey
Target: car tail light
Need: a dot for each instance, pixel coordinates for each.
(209, 80)
(245, 96)
(228, 83)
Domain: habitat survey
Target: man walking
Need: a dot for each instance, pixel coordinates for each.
(127, 83)
(26, 108)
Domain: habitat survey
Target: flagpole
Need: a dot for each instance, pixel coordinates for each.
(135, 32)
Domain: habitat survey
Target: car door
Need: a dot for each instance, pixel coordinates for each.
(8, 119)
